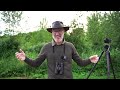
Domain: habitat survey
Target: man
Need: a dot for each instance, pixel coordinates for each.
(59, 54)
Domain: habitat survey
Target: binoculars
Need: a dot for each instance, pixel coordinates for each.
(59, 68)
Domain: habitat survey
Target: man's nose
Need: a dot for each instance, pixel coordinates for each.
(57, 33)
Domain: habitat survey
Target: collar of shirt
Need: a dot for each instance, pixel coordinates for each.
(53, 42)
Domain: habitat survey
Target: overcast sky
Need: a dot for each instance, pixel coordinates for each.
(31, 19)
(34, 17)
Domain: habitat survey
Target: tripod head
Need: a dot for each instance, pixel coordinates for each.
(107, 42)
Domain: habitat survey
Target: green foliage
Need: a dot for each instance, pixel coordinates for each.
(12, 19)
(76, 37)
(36, 48)
(8, 45)
(11, 16)
(87, 43)
(93, 31)
(104, 26)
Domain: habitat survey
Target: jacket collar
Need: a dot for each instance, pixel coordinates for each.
(53, 42)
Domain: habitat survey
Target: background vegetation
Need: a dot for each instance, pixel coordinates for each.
(99, 27)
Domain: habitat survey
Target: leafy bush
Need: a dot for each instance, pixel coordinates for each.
(77, 37)
(8, 45)
(36, 48)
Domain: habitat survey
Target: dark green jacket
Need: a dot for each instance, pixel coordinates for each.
(54, 53)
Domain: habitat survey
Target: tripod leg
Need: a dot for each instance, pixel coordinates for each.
(108, 64)
(94, 65)
(111, 65)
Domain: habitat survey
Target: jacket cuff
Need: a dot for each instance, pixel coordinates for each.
(26, 59)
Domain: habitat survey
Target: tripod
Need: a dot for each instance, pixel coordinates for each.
(109, 62)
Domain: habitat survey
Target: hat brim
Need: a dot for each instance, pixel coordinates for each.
(50, 29)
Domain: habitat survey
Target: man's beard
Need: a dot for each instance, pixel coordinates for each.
(59, 40)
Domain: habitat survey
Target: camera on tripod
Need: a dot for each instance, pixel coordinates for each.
(107, 40)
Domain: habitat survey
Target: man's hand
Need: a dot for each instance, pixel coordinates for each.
(94, 58)
(20, 55)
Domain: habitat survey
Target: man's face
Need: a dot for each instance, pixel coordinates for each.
(58, 34)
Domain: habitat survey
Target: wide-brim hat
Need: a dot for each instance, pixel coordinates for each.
(58, 24)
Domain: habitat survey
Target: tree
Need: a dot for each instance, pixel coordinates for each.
(93, 28)
(104, 25)
(12, 19)
(113, 28)
(43, 24)
(77, 35)
(74, 23)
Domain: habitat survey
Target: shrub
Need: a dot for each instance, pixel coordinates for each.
(8, 45)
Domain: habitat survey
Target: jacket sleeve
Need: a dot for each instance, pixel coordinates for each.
(39, 60)
(77, 59)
